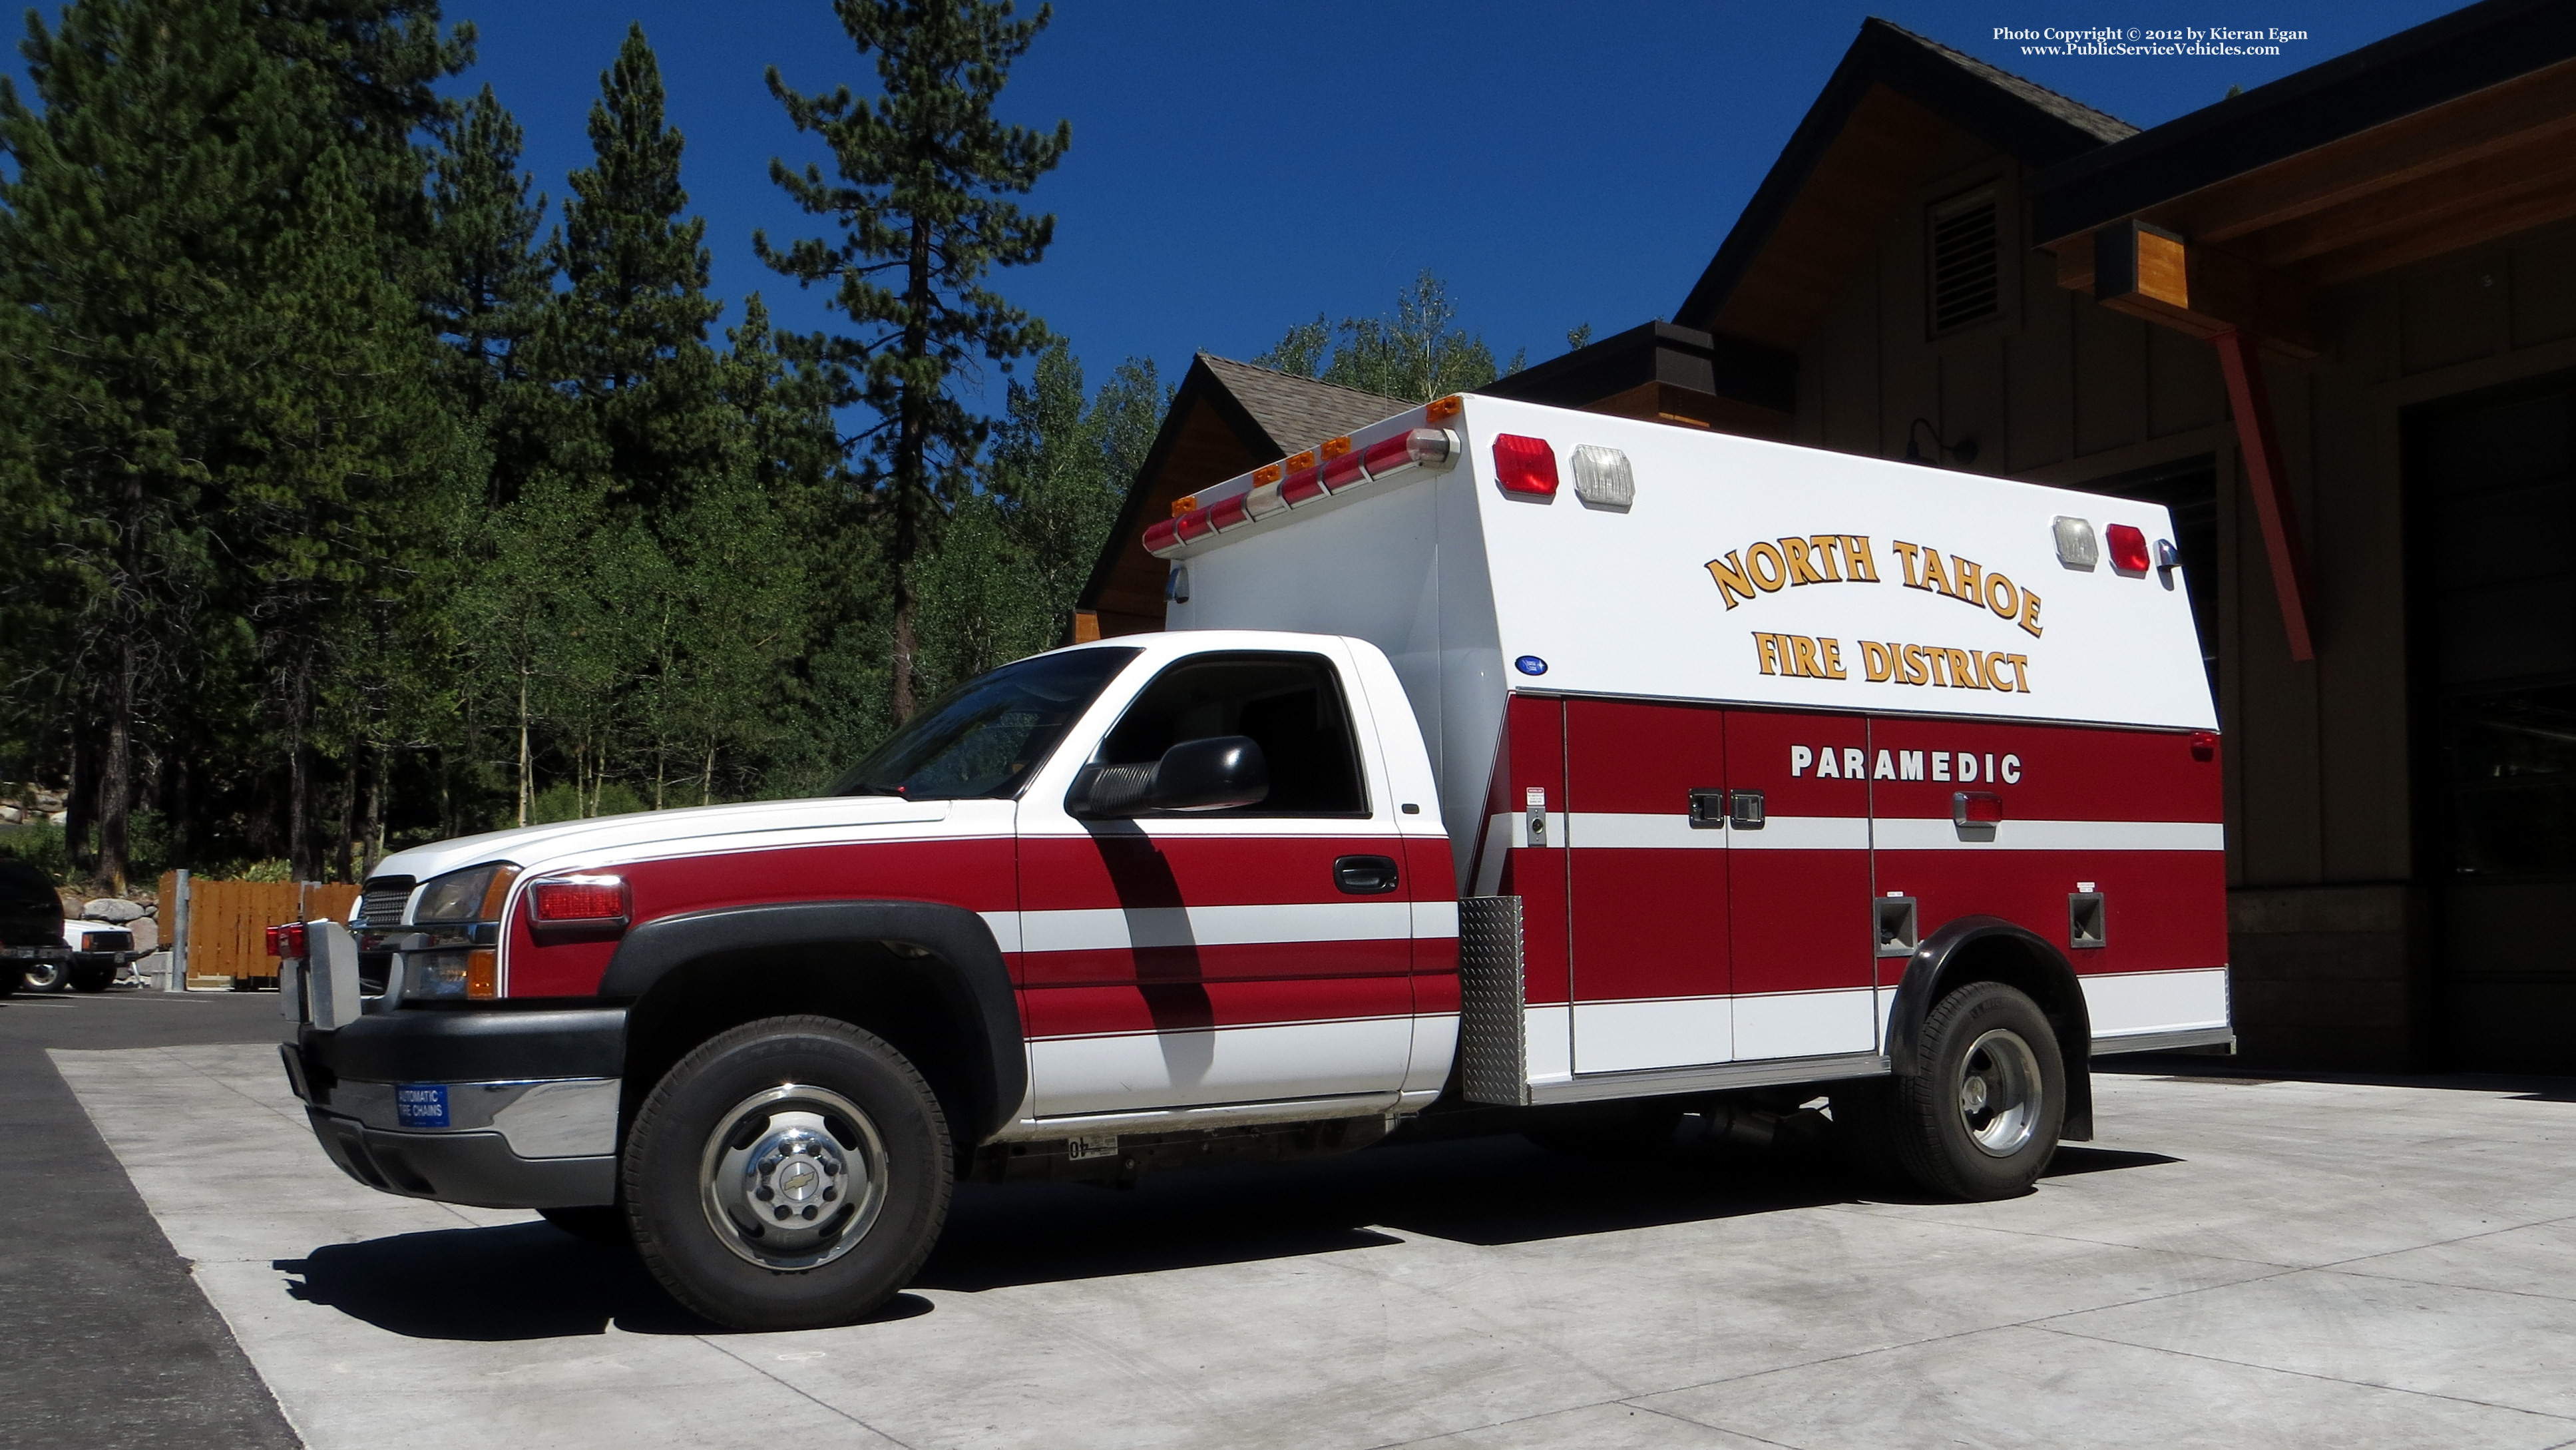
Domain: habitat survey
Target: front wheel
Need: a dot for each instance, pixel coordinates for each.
(1979, 1116)
(93, 976)
(791, 1173)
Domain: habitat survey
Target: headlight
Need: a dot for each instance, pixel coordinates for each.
(474, 894)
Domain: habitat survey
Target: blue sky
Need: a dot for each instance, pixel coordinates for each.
(1237, 167)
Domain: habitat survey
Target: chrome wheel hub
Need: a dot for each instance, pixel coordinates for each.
(793, 1177)
(2000, 1093)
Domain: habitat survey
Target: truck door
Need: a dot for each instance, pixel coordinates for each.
(1646, 885)
(1804, 970)
(1242, 955)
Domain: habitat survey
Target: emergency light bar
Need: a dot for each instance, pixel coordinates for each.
(1336, 468)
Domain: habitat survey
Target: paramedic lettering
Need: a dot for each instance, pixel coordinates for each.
(1810, 657)
(1848, 762)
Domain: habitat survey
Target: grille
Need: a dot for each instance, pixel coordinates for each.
(382, 904)
(1966, 272)
(1494, 1068)
(108, 941)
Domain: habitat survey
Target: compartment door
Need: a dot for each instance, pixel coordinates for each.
(1648, 889)
(1804, 944)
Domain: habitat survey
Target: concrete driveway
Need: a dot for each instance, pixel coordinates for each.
(2236, 1263)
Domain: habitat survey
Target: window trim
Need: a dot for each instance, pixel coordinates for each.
(1350, 729)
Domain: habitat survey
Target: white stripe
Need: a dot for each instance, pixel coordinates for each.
(1610, 830)
(1917, 834)
(1224, 1065)
(1662, 1032)
(1435, 919)
(1804, 833)
(1805, 1024)
(1005, 926)
(2121, 1003)
(1212, 926)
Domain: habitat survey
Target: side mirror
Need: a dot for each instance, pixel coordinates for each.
(1211, 775)
(1196, 775)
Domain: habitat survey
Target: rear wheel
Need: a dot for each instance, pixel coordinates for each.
(791, 1173)
(47, 976)
(1979, 1116)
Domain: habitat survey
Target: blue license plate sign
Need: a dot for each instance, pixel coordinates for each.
(421, 1104)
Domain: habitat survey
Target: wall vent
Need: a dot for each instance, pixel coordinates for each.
(1967, 262)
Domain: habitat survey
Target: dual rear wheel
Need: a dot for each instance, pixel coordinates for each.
(1979, 1116)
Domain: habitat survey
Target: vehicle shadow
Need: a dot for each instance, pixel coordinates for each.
(533, 1281)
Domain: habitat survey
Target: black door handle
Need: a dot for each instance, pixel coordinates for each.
(1364, 875)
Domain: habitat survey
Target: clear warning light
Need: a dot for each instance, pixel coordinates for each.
(2076, 547)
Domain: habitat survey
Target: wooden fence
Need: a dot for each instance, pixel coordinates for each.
(221, 927)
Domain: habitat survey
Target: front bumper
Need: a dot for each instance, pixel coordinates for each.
(500, 1109)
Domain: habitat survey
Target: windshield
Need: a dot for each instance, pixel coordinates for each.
(983, 737)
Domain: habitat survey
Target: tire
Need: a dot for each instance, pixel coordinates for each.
(46, 976)
(1978, 1119)
(86, 977)
(602, 1224)
(11, 980)
(1612, 1130)
(823, 1130)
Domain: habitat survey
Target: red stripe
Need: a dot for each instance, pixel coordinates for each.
(2068, 773)
(1182, 1007)
(1061, 873)
(2165, 910)
(1242, 962)
(973, 873)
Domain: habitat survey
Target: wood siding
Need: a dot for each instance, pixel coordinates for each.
(2330, 937)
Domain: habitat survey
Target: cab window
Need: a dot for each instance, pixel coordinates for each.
(1290, 703)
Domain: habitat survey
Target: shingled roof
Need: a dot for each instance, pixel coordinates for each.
(1874, 109)
(1226, 417)
(1296, 412)
(2073, 112)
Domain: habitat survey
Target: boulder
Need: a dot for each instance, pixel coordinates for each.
(110, 909)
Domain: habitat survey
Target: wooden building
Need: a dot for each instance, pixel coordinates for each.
(2332, 323)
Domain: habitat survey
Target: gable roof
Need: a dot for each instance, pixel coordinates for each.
(1225, 417)
(1296, 413)
(1889, 76)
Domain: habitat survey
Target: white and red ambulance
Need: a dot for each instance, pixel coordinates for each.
(1503, 766)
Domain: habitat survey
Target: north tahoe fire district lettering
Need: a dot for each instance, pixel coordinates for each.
(1767, 566)
(1807, 657)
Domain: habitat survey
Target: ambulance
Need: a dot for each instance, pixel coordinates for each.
(1502, 768)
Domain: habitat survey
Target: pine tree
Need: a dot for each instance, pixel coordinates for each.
(921, 201)
(142, 198)
(488, 282)
(626, 343)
